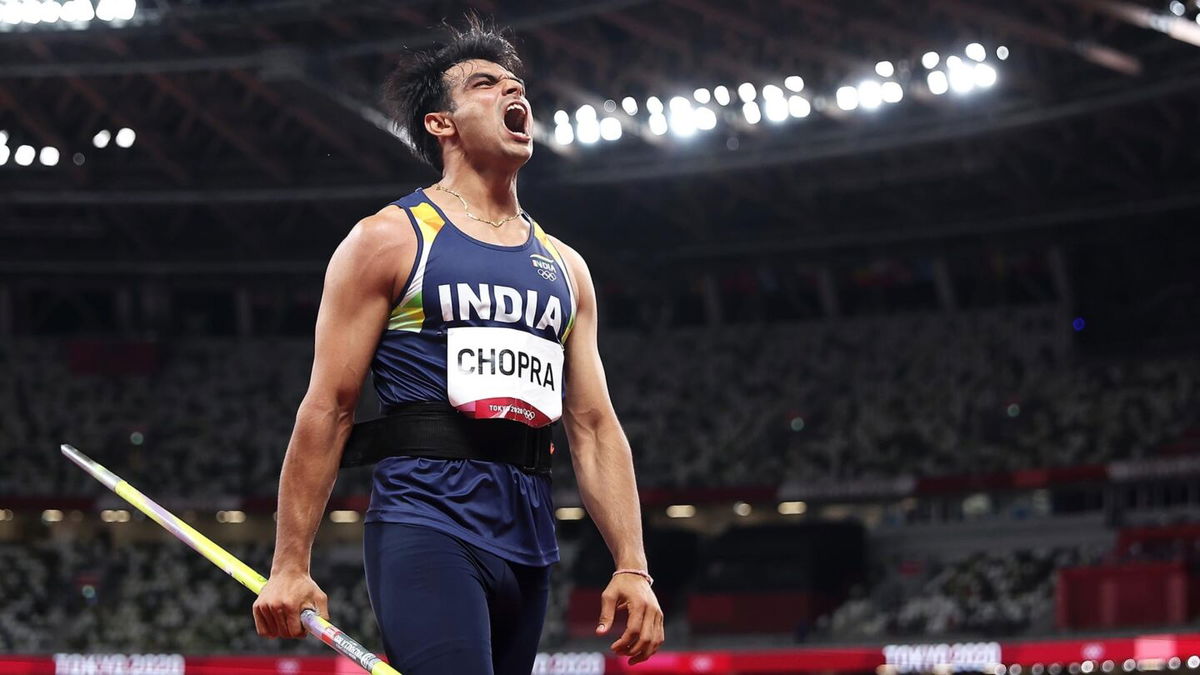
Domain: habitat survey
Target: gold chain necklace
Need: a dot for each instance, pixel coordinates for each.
(493, 223)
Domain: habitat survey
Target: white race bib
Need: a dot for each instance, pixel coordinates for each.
(503, 373)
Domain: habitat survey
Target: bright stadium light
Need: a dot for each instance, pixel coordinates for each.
(78, 11)
(892, 92)
(1177, 8)
(610, 106)
(683, 122)
(31, 12)
(798, 106)
(751, 111)
(629, 105)
(126, 10)
(11, 13)
(746, 92)
(48, 156)
(870, 94)
(985, 75)
(930, 60)
(126, 136)
(938, 84)
(588, 131)
(975, 52)
(3, 137)
(771, 92)
(706, 119)
(561, 117)
(776, 109)
(24, 155)
(702, 95)
(721, 95)
(610, 128)
(962, 78)
(885, 69)
(4, 152)
(51, 11)
(564, 134)
(101, 139)
(585, 112)
(105, 11)
(654, 105)
(569, 513)
(658, 124)
(794, 83)
(847, 98)
(681, 511)
(1002, 52)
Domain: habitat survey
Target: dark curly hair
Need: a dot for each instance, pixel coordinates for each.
(417, 86)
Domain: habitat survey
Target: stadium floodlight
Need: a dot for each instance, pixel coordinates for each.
(4, 153)
(975, 52)
(78, 11)
(892, 92)
(126, 136)
(885, 69)
(721, 95)
(24, 155)
(794, 83)
(3, 137)
(930, 60)
(11, 13)
(847, 98)
(629, 105)
(654, 105)
(564, 134)
(962, 78)
(610, 128)
(1002, 52)
(588, 131)
(870, 94)
(938, 84)
(1177, 8)
(746, 92)
(31, 12)
(681, 511)
(702, 95)
(51, 11)
(610, 106)
(561, 117)
(49, 156)
(101, 139)
(798, 106)
(751, 111)
(776, 109)
(585, 112)
(105, 11)
(683, 122)
(985, 75)
(706, 119)
(658, 124)
(771, 92)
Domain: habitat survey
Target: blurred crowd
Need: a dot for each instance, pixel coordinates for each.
(860, 398)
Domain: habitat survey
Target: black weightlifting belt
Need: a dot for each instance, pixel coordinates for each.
(435, 429)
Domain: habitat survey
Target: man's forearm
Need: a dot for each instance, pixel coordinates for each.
(604, 470)
(306, 481)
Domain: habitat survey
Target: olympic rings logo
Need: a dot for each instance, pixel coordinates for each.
(548, 275)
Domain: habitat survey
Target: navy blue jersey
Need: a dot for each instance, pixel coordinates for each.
(481, 326)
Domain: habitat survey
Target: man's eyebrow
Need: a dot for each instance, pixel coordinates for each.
(477, 75)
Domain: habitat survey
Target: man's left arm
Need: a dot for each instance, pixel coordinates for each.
(603, 465)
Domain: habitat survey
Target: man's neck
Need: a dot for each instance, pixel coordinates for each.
(490, 194)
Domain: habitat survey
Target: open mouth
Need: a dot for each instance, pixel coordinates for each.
(516, 120)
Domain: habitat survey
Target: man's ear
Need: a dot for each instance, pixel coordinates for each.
(439, 124)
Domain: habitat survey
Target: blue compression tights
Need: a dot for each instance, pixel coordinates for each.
(444, 606)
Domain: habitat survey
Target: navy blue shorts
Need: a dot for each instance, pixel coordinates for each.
(444, 606)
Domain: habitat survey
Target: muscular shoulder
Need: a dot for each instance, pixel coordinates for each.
(575, 262)
(380, 247)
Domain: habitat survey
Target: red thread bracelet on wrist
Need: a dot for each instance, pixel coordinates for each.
(641, 573)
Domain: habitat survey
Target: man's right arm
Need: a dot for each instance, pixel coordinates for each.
(366, 271)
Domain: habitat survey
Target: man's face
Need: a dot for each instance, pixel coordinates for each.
(490, 113)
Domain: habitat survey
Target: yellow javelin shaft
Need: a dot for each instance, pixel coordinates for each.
(316, 625)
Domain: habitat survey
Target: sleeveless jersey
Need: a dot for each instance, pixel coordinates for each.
(481, 326)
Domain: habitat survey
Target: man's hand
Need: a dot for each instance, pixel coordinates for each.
(644, 629)
(277, 609)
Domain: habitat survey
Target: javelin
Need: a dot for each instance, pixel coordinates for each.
(316, 625)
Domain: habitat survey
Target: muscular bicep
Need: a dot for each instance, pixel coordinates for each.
(355, 301)
(587, 404)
